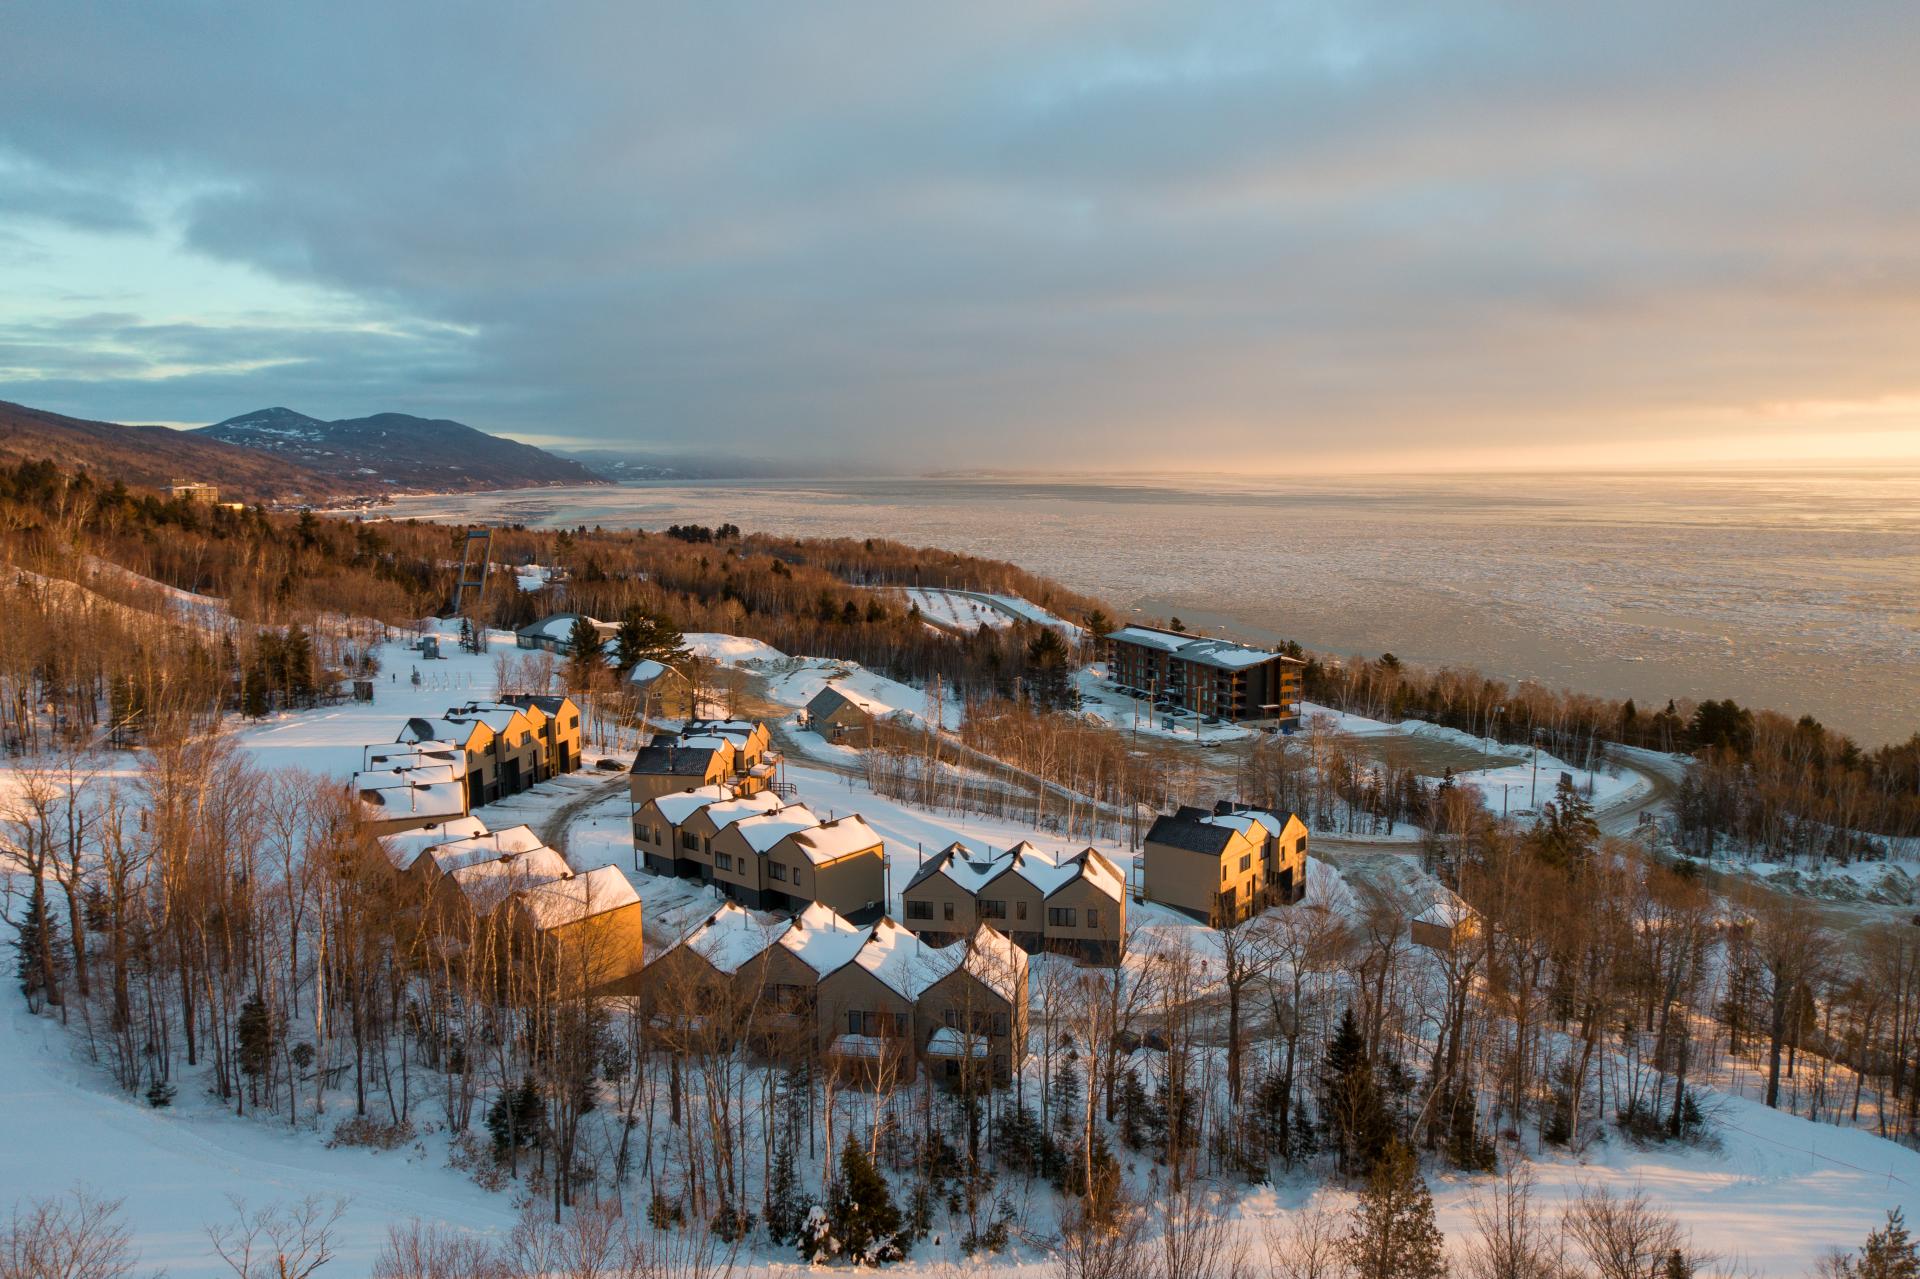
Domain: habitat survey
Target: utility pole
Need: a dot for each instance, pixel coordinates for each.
(1533, 793)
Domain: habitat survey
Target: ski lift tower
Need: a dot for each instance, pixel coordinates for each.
(475, 555)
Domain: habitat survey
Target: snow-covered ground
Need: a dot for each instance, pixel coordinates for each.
(1776, 1194)
(1101, 700)
(956, 609)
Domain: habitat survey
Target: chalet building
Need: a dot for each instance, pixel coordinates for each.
(582, 931)
(755, 762)
(471, 892)
(657, 825)
(559, 727)
(678, 763)
(704, 824)
(427, 865)
(403, 847)
(386, 755)
(1217, 680)
(1072, 905)
(787, 857)
(519, 749)
(833, 713)
(973, 1007)
(1227, 865)
(864, 1008)
(398, 799)
(659, 688)
(554, 632)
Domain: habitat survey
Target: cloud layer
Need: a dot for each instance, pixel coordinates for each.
(1101, 234)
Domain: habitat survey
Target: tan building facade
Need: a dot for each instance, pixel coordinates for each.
(1225, 866)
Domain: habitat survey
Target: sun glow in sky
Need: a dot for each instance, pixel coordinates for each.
(1054, 235)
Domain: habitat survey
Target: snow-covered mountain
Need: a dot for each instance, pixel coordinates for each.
(399, 451)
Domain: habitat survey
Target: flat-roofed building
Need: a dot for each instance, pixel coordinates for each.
(1212, 679)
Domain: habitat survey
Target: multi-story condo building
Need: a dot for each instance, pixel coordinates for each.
(1215, 679)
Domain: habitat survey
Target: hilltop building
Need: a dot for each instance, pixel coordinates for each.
(1217, 680)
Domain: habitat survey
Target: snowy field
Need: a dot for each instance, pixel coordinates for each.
(1776, 1193)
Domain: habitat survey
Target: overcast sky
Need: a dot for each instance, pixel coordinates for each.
(1104, 235)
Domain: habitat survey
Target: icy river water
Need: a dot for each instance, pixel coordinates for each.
(1796, 590)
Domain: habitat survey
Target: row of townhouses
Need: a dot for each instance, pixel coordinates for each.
(867, 999)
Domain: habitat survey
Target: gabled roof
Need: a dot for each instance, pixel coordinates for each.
(452, 854)
(678, 759)
(372, 779)
(494, 715)
(402, 847)
(677, 806)
(571, 898)
(726, 812)
(764, 830)
(897, 959)
(989, 956)
(489, 882)
(1196, 836)
(1245, 819)
(733, 936)
(830, 699)
(823, 940)
(547, 703)
(1047, 874)
(559, 626)
(830, 841)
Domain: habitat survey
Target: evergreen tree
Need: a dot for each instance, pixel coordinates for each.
(1064, 1094)
(1355, 1117)
(1567, 831)
(646, 637)
(1048, 661)
(862, 1223)
(1136, 1120)
(1392, 1234)
(1677, 1266)
(38, 937)
(516, 1120)
(786, 1209)
(1887, 1254)
(583, 651)
(255, 1030)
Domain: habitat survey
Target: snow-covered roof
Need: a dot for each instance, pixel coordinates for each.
(702, 742)
(402, 847)
(725, 813)
(405, 775)
(989, 955)
(1245, 820)
(645, 671)
(860, 1046)
(682, 804)
(898, 959)
(822, 939)
(1047, 873)
(767, 829)
(422, 729)
(495, 716)
(556, 903)
(841, 837)
(733, 936)
(425, 799)
(488, 882)
(1197, 648)
(382, 755)
(452, 854)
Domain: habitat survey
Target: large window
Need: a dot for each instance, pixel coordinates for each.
(876, 1025)
(992, 909)
(1061, 916)
(1246, 863)
(689, 841)
(776, 872)
(919, 910)
(723, 861)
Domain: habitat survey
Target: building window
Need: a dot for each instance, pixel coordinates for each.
(776, 872)
(723, 861)
(1019, 910)
(919, 910)
(952, 1018)
(1093, 917)
(946, 911)
(993, 910)
(999, 1023)
(1300, 845)
(1246, 863)
(1060, 916)
(689, 841)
